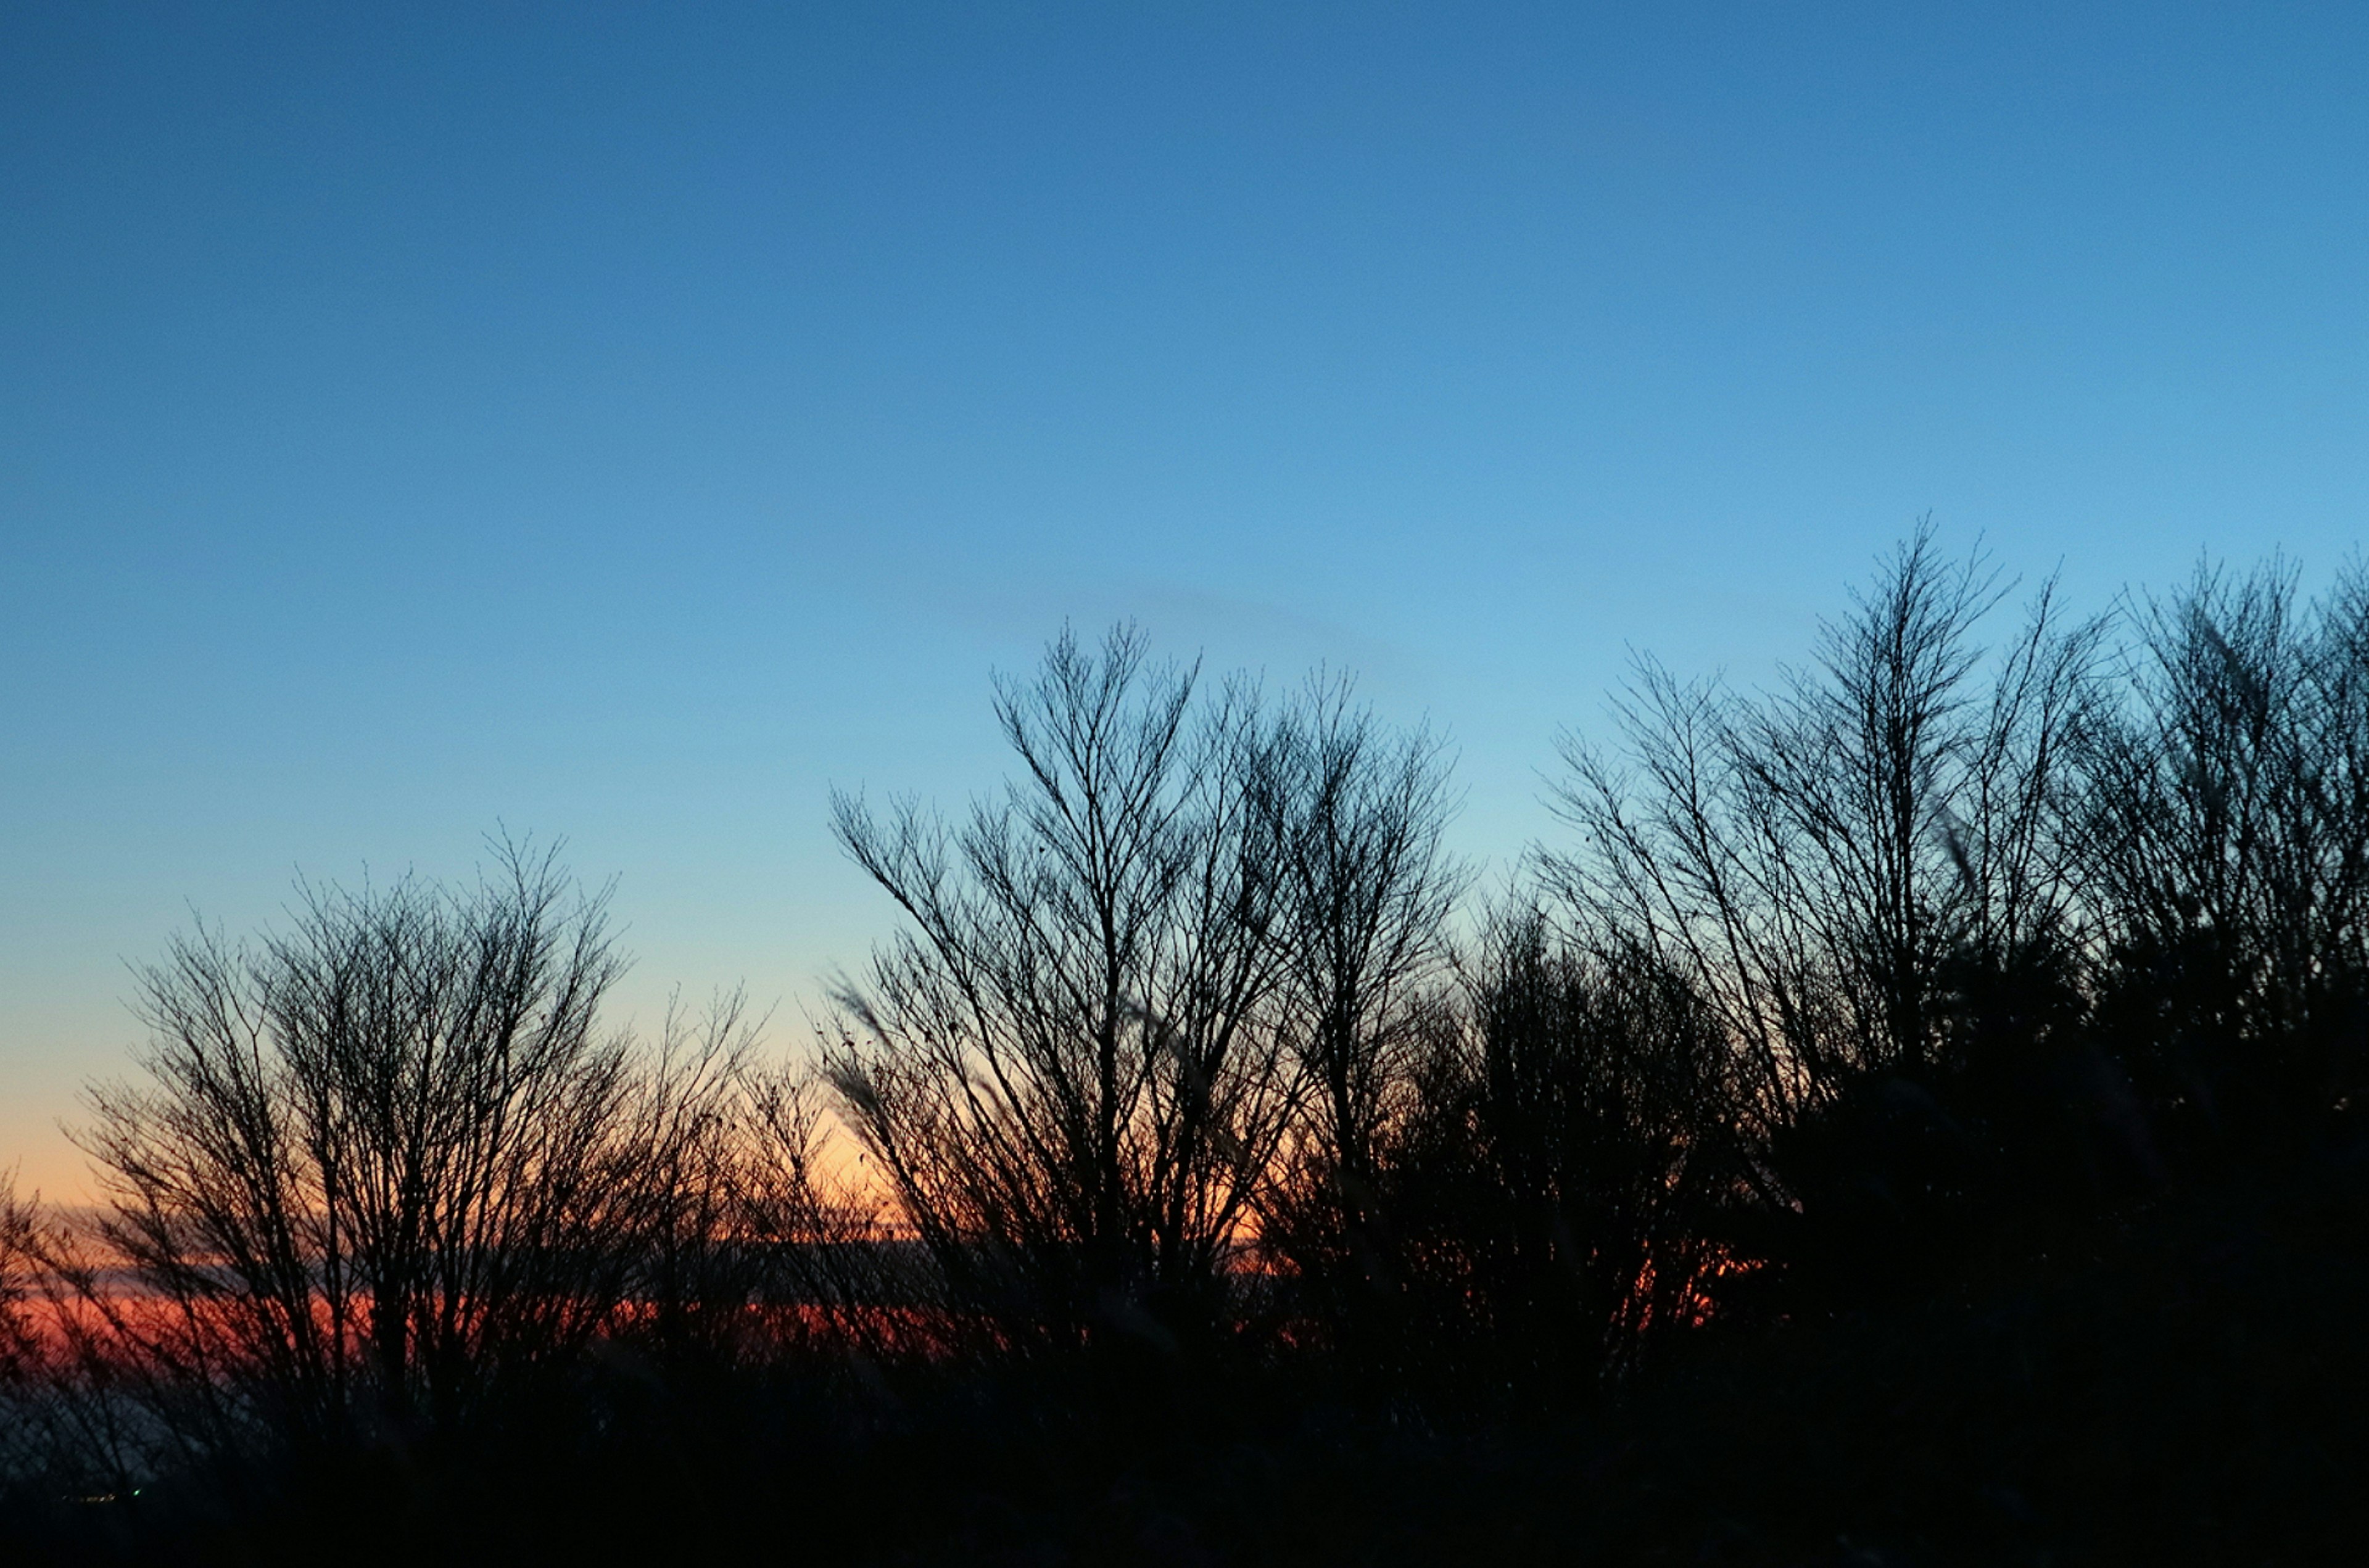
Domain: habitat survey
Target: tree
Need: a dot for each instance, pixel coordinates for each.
(831, 1274)
(384, 1165)
(1603, 1109)
(1368, 886)
(1064, 1066)
(20, 1348)
(1822, 859)
(1872, 877)
(2228, 855)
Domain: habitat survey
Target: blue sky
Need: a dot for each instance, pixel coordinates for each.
(623, 423)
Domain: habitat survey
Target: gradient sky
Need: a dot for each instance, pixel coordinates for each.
(625, 422)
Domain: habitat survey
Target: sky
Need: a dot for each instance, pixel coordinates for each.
(621, 424)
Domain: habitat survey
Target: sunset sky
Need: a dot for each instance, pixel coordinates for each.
(623, 423)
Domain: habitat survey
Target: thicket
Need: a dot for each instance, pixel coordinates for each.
(1200, 1173)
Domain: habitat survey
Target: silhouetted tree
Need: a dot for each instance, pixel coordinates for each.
(689, 1113)
(19, 1226)
(1368, 889)
(1870, 875)
(382, 1165)
(1064, 1064)
(832, 1273)
(20, 1344)
(1816, 858)
(2228, 808)
(1560, 1177)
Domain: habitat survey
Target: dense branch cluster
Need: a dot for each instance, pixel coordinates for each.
(1192, 1045)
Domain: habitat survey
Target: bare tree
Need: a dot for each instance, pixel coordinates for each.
(1368, 888)
(687, 1116)
(1063, 1066)
(2229, 848)
(1606, 1106)
(384, 1163)
(20, 1347)
(1556, 1177)
(831, 1273)
(1816, 859)
(19, 1228)
(1371, 887)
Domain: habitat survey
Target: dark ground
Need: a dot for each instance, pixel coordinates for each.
(2184, 1384)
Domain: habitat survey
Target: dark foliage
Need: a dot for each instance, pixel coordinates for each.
(1917, 1118)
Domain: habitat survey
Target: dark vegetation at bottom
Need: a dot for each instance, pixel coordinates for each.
(2182, 1384)
(1918, 1119)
